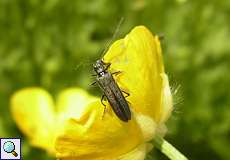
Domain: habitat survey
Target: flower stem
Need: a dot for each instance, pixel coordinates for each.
(166, 148)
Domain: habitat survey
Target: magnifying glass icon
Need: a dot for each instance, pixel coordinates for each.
(9, 147)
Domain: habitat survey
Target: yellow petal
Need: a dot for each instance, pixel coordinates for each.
(97, 137)
(139, 58)
(71, 103)
(147, 125)
(139, 153)
(33, 111)
(167, 102)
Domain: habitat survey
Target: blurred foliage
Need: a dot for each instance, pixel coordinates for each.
(45, 43)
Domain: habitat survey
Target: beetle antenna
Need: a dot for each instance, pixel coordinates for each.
(114, 36)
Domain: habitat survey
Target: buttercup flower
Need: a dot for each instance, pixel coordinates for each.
(77, 130)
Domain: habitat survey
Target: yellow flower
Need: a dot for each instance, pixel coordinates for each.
(32, 110)
(77, 130)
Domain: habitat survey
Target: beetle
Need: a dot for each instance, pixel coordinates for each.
(111, 90)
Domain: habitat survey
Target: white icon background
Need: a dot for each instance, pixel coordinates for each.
(5, 155)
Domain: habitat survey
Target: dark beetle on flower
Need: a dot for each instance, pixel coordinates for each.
(111, 90)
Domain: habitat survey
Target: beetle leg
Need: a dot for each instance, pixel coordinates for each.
(127, 94)
(102, 98)
(117, 72)
(107, 65)
(92, 84)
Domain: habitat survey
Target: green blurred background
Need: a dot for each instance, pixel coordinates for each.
(53, 43)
